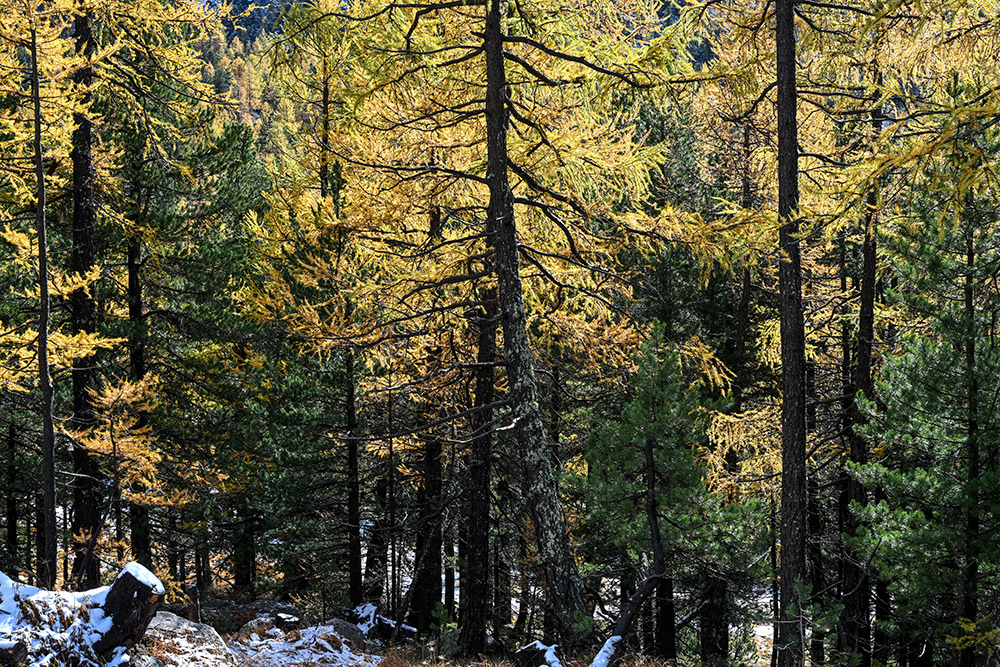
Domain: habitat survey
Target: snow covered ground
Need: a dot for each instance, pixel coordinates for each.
(61, 628)
(56, 627)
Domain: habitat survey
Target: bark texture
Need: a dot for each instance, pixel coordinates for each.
(790, 641)
(131, 604)
(476, 585)
(46, 526)
(563, 582)
(86, 522)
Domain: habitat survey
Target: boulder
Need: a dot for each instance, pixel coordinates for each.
(257, 626)
(350, 632)
(140, 658)
(172, 634)
(229, 618)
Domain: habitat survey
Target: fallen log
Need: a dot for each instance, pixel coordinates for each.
(128, 607)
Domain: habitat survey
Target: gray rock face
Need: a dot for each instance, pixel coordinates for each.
(143, 659)
(257, 626)
(350, 632)
(228, 618)
(171, 631)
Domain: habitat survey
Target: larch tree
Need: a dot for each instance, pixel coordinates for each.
(475, 207)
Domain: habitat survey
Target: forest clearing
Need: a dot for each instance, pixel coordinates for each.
(657, 332)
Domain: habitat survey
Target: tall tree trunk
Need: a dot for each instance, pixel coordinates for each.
(791, 649)
(563, 581)
(817, 580)
(502, 588)
(427, 579)
(245, 553)
(666, 621)
(86, 488)
(139, 524)
(356, 591)
(47, 526)
(11, 542)
(475, 598)
(970, 570)
(375, 564)
(856, 597)
(449, 573)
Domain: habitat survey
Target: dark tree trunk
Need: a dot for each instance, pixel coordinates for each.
(356, 585)
(715, 625)
(476, 582)
(856, 598)
(666, 628)
(86, 487)
(502, 589)
(139, 524)
(131, 603)
(46, 526)
(970, 569)
(647, 628)
(565, 586)
(817, 580)
(203, 565)
(666, 642)
(883, 616)
(375, 565)
(11, 542)
(244, 554)
(449, 573)
(427, 580)
(173, 559)
(791, 645)
(524, 589)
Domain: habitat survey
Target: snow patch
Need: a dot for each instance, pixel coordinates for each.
(551, 659)
(606, 653)
(365, 613)
(145, 577)
(57, 627)
(320, 646)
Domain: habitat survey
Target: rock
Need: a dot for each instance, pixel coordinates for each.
(140, 658)
(229, 618)
(170, 632)
(257, 626)
(13, 653)
(286, 622)
(350, 632)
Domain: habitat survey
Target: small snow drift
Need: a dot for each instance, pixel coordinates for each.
(88, 629)
(321, 646)
(537, 654)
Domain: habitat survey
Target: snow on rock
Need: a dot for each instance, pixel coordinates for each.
(320, 646)
(144, 577)
(58, 628)
(537, 654)
(365, 613)
(606, 653)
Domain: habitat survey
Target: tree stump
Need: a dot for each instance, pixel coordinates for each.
(13, 653)
(130, 604)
